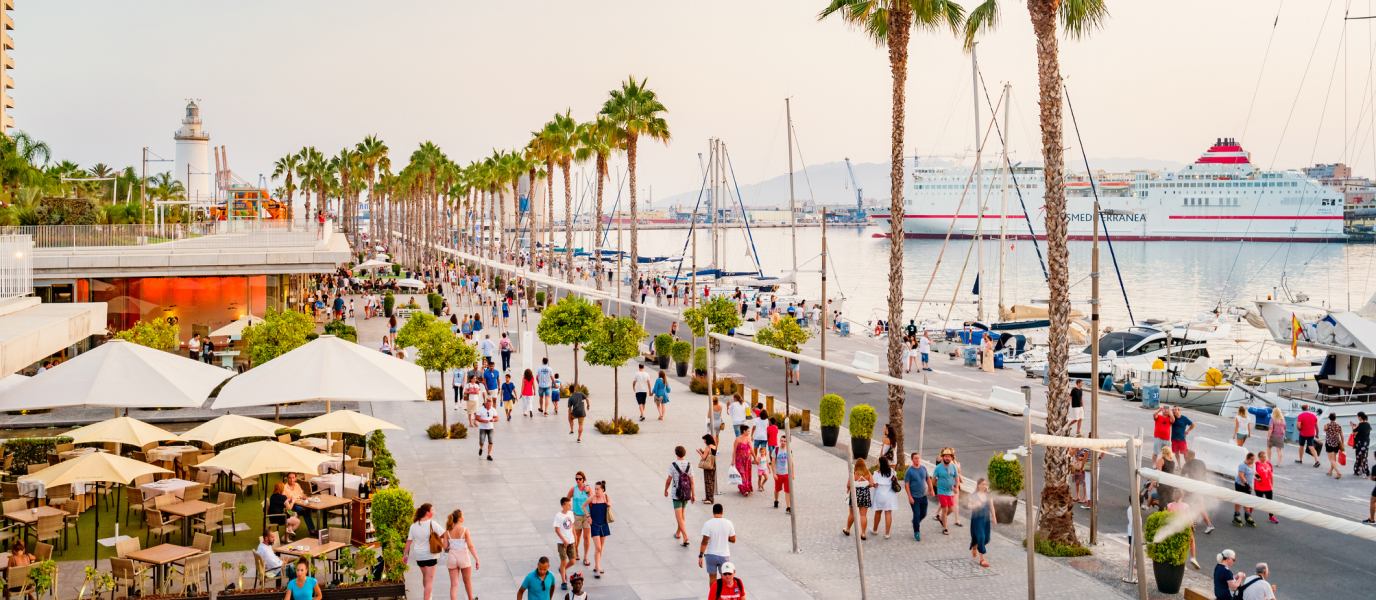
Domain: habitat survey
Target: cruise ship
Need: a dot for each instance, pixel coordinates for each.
(1221, 197)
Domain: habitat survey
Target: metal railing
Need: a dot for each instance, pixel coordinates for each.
(209, 234)
(1304, 395)
(16, 266)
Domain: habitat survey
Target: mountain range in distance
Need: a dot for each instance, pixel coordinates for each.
(830, 184)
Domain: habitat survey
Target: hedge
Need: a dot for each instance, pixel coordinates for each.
(28, 451)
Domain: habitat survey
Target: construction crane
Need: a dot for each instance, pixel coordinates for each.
(859, 194)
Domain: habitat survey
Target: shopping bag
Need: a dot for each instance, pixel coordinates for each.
(733, 477)
(1342, 458)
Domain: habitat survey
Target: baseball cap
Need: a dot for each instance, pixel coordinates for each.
(728, 568)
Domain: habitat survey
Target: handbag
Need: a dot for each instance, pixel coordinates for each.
(611, 517)
(708, 462)
(1342, 458)
(894, 485)
(1351, 440)
(436, 544)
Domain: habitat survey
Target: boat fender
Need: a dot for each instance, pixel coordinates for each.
(878, 330)
(1184, 392)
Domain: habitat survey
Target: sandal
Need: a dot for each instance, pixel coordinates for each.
(585, 562)
(846, 531)
(945, 532)
(983, 563)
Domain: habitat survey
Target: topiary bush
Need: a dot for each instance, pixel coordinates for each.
(619, 426)
(862, 419)
(29, 451)
(389, 302)
(394, 508)
(1175, 548)
(434, 393)
(664, 343)
(681, 350)
(698, 384)
(1057, 549)
(700, 360)
(294, 433)
(436, 302)
(342, 330)
(436, 431)
(540, 298)
(458, 431)
(396, 270)
(726, 387)
(832, 410)
(1005, 476)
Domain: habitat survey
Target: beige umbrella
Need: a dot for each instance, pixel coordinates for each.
(237, 327)
(261, 458)
(229, 427)
(122, 430)
(344, 421)
(96, 467)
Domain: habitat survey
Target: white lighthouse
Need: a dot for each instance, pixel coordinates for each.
(192, 166)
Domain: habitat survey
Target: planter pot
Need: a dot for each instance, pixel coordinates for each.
(700, 372)
(1168, 577)
(860, 447)
(254, 595)
(387, 310)
(388, 590)
(664, 361)
(829, 435)
(1005, 508)
(682, 369)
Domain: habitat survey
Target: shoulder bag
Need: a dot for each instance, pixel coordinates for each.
(611, 518)
(708, 462)
(436, 544)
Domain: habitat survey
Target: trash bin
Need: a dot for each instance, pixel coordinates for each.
(971, 357)
(998, 360)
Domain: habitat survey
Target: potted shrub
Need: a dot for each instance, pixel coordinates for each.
(700, 361)
(862, 419)
(832, 412)
(1005, 480)
(539, 300)
(1168, 555)
(664, 343)
(389, 302)
(681, 350)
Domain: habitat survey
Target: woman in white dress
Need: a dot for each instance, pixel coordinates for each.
(885, 497)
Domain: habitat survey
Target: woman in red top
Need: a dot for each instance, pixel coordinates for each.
(528, 392)
(1262, 485)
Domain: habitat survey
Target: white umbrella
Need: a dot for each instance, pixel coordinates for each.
(118, 374)
(229, 427)
(411, 283)
(122, 430)
(383, 255)
(373, 264)
(327, 368)
(237, 327)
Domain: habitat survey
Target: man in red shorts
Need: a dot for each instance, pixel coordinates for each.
(781, 458)
(946, 477)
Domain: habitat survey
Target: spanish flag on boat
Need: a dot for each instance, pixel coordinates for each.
(1294, 335)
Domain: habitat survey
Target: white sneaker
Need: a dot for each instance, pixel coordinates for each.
(1209, 529)
(1194, 563)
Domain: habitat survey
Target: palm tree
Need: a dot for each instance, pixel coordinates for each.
(370, 151)
(596, 140)
(562, 132)
(890, 23)
(635, 109)
(1078, 18)
(286, 167)
(312, 172)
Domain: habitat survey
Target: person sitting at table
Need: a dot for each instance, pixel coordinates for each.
(295, 493)
(19, 555)
(272, 563)
(278, 506)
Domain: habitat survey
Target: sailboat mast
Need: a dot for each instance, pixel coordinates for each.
(1003, 203)
(792, 211)
(979, 197)
(712, 208)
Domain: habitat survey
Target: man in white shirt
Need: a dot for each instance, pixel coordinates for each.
(486, 417)
(924, 345)
(271, 562)
(737, 410)
(488, 348)
(641, 386)
(717, 536)
(544, 378)
(1256, 587)
(566, 550)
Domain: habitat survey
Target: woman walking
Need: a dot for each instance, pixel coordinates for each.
(599, 506)
(1333, 444)
(715, 428)
(988, 354)
(528, 393)
(419, 538)
(582, 523)
(1275, 436)
(862, 481)
(1242, 428)
(982, 520)
(462, 557)
(885, 495)
(661, 392)
(955, 512)
(741, 459)
(707, 461)
(1361, 440)
(392, 325)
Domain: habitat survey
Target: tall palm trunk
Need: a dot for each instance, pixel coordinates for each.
(501, 222)
(568, 221)
(1057, 521)
(900, 27)
(597, 235)
(635, 229)
(549, 218)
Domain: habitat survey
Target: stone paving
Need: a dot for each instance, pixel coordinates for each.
(536, 459)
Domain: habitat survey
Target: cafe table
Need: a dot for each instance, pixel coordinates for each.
(186, 510)
(176, 487)
(28, 517)
(322, 504)
(330, 484)
(313, 547)
(159, 557)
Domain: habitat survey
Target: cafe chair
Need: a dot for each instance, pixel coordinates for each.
(201, 542)
(59, 494)
(10, 532)
(36, 467)
(260, 573)
(365, 472)
(136, 503)
(196, 568)
(49, 527)
(7, 466)
(193, 492)
(206, 478)
(69, 521)
(227, 501)
(17, 581)
(280, 529)
(42, 552)
(341, 535)
(350, 493)
(124, 547)
(143, 480)
(284, 438)
(212, 522)
(129, 577)
(60, 448)
(10, 506)
(355, 452)
(337, 447)
(139, 455)
(160, 527)
(165, 500)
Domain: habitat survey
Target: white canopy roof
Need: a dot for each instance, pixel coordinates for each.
(373, 264)
(118, 374)
(237, 327)
(327, 368)
(411, 283)
(12, 380)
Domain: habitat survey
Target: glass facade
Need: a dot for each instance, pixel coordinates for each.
(198, 304)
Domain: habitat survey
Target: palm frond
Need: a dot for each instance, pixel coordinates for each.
(1079, 18)
(982, 20)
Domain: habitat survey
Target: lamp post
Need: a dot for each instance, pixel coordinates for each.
(1094, 373)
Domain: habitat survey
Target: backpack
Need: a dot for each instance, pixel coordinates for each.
(740, 585)
(684, 488)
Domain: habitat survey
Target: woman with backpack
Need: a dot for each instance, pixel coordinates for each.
(661, 392)
(679, 486)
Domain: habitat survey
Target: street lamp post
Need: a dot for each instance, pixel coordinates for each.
(1094, 373)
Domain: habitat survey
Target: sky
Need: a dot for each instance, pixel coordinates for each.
(99, 80)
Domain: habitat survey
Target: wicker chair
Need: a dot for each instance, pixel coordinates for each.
(60, 448)
(227, 501)
(49, 527)
(36, 467)
(260, 573)
(59, 494)
(193, 492)
(365, 472)
(124, 547)
(42, 552)
(212, 522)
(355, 452)
(136, 503)
(157, 526)
(17, 581)
(70, 520)
(196, 568)
(7, 466)
(284, 438)
(129, 576)
(13, 505)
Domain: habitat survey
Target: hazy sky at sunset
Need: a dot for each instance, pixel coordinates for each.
(98, 80)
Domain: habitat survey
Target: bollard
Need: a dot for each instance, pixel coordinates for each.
(754, 397)
(807, 421)
(769, 404)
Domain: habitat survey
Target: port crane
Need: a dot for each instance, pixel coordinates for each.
(859, 194)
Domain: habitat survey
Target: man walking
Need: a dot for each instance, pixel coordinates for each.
(1077, 405)
(944, 484)
(1308, 425)
(641, 386)
(566, 549)
(486, 417)
(544, 378)
(729, 588)
(916, 481)
(488, 348)
(717, 536)
(924, 347)
(1195, 469)
(1180, 431)
(540, 582)
(781, 483)
(492, 380)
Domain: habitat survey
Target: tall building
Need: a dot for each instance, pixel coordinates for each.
(6, 63)
(192, 165)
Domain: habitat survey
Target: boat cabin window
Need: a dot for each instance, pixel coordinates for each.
(1149, 347)
(1117, 341)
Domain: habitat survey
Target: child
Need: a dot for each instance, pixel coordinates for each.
(773, 432)
(508, 396)
(554, 393)
(762, 467)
